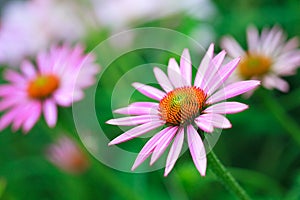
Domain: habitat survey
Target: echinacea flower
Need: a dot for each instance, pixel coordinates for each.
(67, 155)
(59, 79)
(268, 57)
(183, 107)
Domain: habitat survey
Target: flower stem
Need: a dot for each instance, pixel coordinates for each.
(287, 122)
(225, 177)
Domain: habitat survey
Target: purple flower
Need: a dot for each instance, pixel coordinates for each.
(66, 155)
(59, 79)
(183, 107)
(268, 57)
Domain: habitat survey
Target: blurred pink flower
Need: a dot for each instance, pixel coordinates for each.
(60, 77)
(28, 27)
(182, 107)
(268, 57)
(67, 155)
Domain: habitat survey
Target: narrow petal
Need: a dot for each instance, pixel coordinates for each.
(186, 67)
(28, 69)
(222, 75)
(133, 121)
(14, 77)
(252, 38)
(131, 110)
(212, 70)
(217, 120)
(232, 47)
(163, 80)
(36, 112)
(50, 112)
(43, 63)
(163, 144)
(9, 102)
(204, 125)
(174, 151)
(139, 108)
(144, 104)
(197, 149)
(233, 90)
(226, 108)
(291, 44)
(8, 118)
(136, 131)
(272, 81)
(149, 147)
(149, 91)
(174, 73)
(200, 78)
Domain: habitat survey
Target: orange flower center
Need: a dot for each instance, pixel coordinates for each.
(43, 86)
(254, 65)
(182, 105)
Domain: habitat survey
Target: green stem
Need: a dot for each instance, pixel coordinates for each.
(225, 177)
(287, 122)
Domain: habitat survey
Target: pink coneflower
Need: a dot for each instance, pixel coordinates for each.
(66, 155)
(60, 76)
(268, 57)
(183, 107)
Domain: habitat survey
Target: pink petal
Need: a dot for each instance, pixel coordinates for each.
(272, 81)
(163, 80)
(217, 120)
(43, 63)
(133, 121)
(222, 75)
(63, 97)
(233, 90)
(135, 132)
(130, 110)
(163, 144)
(174, 151)
(226, 108)
(144, 104)
(14, 77)
(28, 69)
(212, 70)
(252, 38)
(8, 118)
(139, 108)
(149, 147)
(149, 91)
(174, 73)
(204, 125)
(293, 43)
(36, 112)
(200, 76)
(197, 149)
(287, 63)
(9, 102)
(50, 112)
(232, 47)
(5, 90)
(276, 43)
(186, 67)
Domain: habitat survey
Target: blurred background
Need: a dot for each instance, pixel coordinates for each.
(257, 150)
